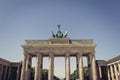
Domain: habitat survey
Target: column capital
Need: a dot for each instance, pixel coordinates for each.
(27, 54)
(91, 54)
(38, 54)
(79, 54)
(67, 54)
(51, 54)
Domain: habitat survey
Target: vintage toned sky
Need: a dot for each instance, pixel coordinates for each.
(27, 19)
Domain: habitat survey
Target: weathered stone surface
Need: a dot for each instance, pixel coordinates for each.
(59, 46)
(62, 47)
(59, 41)
(7, 68)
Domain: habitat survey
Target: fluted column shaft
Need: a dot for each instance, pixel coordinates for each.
(116, 73)
(100, 73)
(51, 66)
(119, 70)
(80, 66)
(93, 66)
(119, 67)
(108, 69)
(111, 70)
(67, 66)
(5, 73)
(23, 72)
(18, 72)
(1, 72)
(89, 67)
(38, 68)
(28, 67)
(9, 72)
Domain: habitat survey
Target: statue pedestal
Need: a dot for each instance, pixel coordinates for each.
(59, 40)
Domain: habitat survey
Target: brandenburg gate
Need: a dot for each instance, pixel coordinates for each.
(58, 46)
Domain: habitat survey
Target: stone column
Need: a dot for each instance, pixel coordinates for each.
(111, 70)
(51, 66)
(38, 68)
(119, 67)
(116, 73)
(1, 72)
(80, 66)
(23, 71)
(89, 67)
(67, 66)
(18, 72)
(93, 66)
(5, 73)
(28, 66)
(9, 72)
(100, 73)
(118, 70)
(108, 72)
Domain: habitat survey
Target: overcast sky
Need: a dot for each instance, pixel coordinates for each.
(24, 19)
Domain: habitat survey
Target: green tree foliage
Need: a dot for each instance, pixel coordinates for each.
(85, 71)
(44, 74)
(74, 75)
(32, 73)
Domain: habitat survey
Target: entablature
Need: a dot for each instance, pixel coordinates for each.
(58, 41)
(58, 49)
(59, 46)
